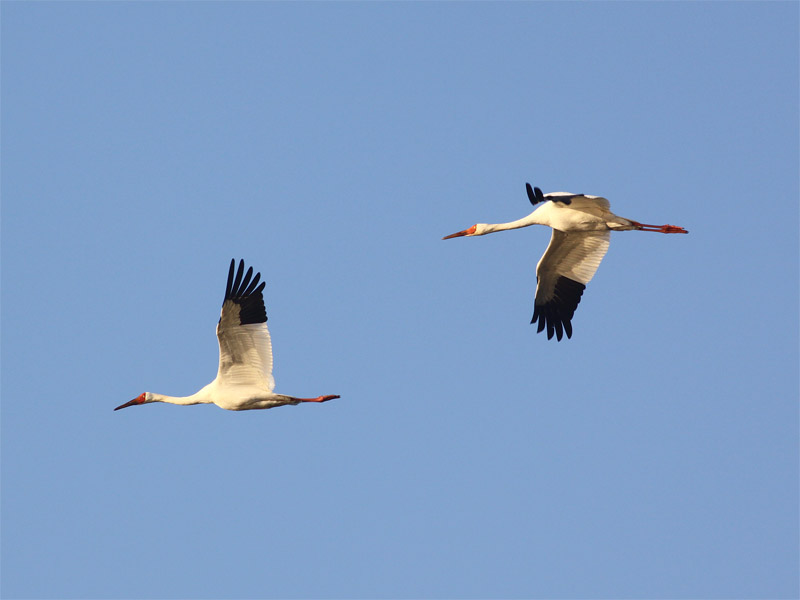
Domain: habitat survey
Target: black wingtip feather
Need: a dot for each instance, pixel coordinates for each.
(253, 283)
(535, 195)
(242, 291)
(531, 196)
(556, 314)
(229, 285)
(238, 278)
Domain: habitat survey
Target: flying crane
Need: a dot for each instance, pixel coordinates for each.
(244, 380)
(582, 226)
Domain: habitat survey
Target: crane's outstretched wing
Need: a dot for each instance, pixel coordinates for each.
(245, 349)
(535, 196)
(594, 205)
(568, 264)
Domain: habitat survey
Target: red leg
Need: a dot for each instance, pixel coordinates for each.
(659, 228)
(318, 399)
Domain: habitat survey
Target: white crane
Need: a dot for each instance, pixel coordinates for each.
(244, 380)
(581, 227)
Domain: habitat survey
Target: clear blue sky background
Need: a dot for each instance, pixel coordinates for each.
(332, 145)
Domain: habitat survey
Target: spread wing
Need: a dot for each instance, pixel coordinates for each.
(245, 349)
(593, 205)
(568, 264)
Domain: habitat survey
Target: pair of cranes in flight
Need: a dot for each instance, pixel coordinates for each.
(581, 225)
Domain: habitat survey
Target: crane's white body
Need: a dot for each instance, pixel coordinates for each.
(583, 213)
(580, 240)
(582, 227)
(244, 379)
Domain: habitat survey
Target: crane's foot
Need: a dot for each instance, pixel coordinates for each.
(319, 399)
(659, 228)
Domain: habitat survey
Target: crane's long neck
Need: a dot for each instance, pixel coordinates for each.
(198, 398)
(531, 219)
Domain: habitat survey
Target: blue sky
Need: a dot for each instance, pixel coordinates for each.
(332, 145)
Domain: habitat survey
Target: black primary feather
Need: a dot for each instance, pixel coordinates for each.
(243, 291)
(534, 194)
(556, 314)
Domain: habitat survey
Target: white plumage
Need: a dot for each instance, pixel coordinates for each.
(244, 380)
(582, 227)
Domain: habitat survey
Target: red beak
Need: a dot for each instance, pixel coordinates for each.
(469, 231)
(138, 400)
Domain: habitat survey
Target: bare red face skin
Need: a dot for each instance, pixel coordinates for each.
(138, 400)
(469, 231)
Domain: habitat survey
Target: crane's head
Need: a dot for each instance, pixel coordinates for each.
(477, 229)
(140, 399)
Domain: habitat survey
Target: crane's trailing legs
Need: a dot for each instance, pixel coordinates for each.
(659, 228)
(317, 399)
